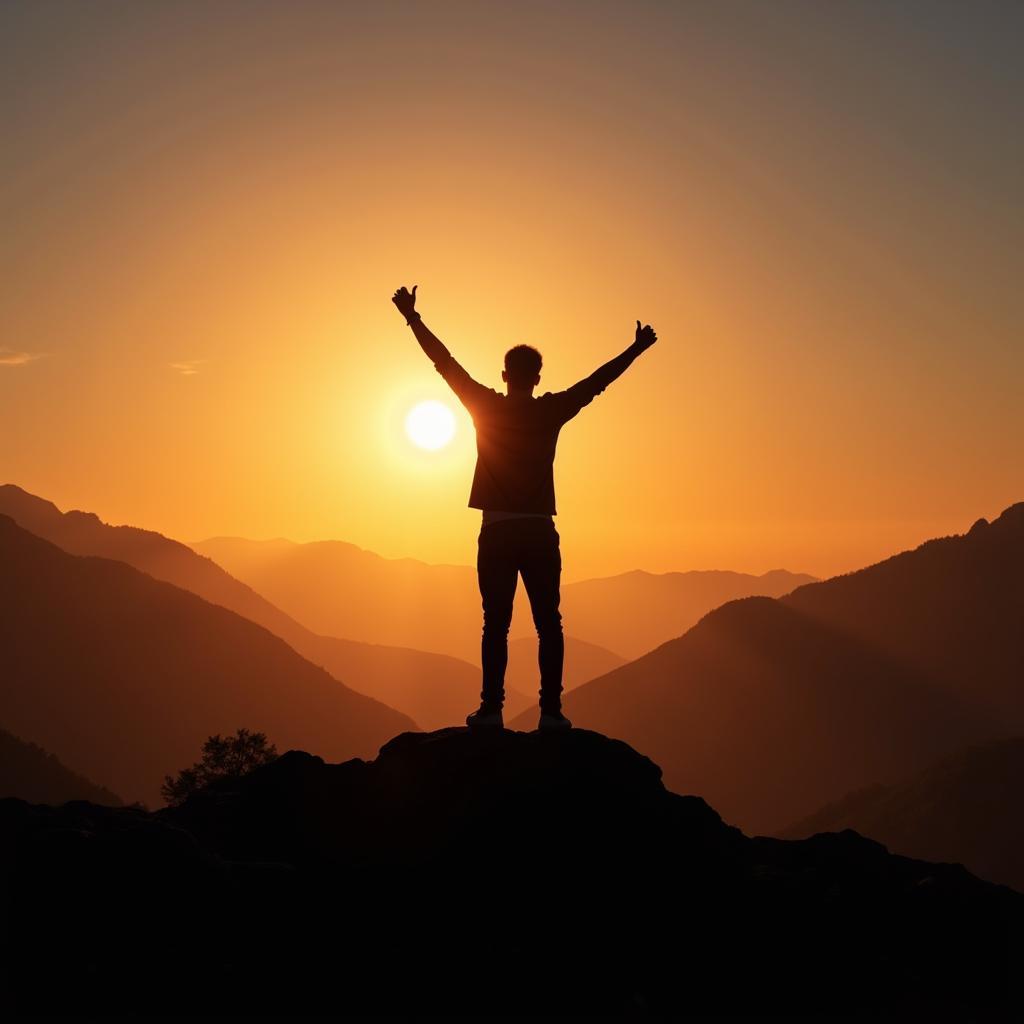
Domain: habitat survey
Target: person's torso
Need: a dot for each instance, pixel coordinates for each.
(516, 438)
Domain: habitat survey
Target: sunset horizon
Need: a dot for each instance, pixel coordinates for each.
(198, 337)
(904, 537)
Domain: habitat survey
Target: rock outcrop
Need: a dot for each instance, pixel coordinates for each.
(468, 873)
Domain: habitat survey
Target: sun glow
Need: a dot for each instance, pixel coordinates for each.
(430, 425)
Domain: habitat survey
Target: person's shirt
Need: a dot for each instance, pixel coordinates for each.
(517, 433)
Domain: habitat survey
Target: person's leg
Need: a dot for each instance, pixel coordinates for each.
(541, 566)
(496, 574)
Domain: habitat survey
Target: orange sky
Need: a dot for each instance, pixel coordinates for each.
(207, 208)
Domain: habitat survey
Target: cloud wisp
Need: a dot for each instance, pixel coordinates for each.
(187, 367)
(14, 357)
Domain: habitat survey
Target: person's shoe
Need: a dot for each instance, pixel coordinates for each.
(485, 718)
(553, 721)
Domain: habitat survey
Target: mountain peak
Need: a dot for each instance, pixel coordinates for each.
(579, 759)
(77, 515)
(423, 785)
(17, 502)
(1012, 517)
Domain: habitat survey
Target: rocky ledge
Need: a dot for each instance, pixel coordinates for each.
(497, 873)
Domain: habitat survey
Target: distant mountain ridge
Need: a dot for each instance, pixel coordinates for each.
(327, 584)
(952, 608)
(768, 714)
(634, 612)
(771, 708)
(126, 675)
(583, 661)
(30, 773)
(963, 809)
(433, 689)
(436, 602)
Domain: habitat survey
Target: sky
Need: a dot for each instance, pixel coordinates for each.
(207, 207)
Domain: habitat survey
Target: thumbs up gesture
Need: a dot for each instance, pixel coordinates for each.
(405, 300)
(645, 336)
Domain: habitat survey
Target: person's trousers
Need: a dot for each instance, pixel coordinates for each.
(506, 549)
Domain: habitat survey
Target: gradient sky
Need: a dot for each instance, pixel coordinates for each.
(207, 206)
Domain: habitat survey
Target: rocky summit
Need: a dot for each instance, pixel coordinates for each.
(482, 873)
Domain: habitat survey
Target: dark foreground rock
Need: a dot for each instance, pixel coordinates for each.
(475, 874)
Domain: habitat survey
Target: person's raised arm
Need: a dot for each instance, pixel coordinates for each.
(435, 349)
(586, 390)
(604, 375)
(468, 390)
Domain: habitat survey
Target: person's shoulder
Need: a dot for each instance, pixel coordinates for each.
(552, 406)
(553, 399)
(487, 398)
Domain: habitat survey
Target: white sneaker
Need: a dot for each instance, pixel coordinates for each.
(553, 722)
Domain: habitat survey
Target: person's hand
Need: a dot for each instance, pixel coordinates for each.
(645, 336)
(405, 300)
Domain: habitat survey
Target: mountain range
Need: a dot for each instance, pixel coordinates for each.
(634, 612)
(772, 708)
(952, 609)
(583, 661)
(124, 675)
(343, 590)
(433, 689)
(29, 773)
(964, 809)
(428, 604)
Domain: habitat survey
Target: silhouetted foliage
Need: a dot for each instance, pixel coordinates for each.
(224, 757)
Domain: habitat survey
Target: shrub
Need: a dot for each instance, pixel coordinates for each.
(224, 757)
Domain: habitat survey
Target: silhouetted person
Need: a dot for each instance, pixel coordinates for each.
(513, 485)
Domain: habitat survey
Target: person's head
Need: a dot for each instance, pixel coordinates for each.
(522, 368)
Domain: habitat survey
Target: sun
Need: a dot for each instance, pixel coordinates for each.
(430, 425)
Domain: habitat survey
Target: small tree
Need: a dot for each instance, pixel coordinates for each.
(224, 757)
